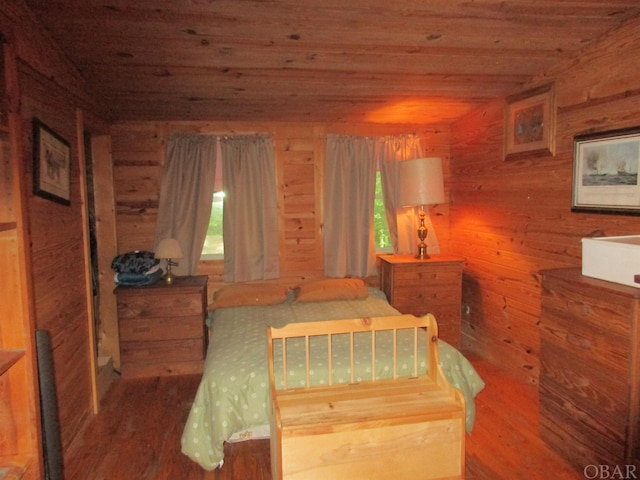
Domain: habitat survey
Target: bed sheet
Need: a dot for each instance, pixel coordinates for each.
(234, 396)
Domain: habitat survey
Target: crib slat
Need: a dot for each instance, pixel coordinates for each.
(352, 356)
(373, 356)
(395, 353)
(330, 363)
(415, 352)
(307, 360)
(284, 362)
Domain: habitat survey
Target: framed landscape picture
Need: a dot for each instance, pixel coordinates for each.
(530, 123)
(605, 172)
(51, 159)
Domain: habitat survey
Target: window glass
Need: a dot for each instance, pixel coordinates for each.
(381, 229)
(213, 244)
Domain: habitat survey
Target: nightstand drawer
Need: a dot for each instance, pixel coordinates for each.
(427, 295)
(450, 333)
(445, 314)
(149, 352)
(422, 275)
(159, 305)
(161, 328)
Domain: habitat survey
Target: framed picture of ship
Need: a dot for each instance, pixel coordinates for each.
(605, 172)
(530, 123)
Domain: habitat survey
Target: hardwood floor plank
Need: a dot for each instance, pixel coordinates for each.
(137, 435)
(505, 443)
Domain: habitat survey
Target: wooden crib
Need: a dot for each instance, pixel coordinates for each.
(403, 426)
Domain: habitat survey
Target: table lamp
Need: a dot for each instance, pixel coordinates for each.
(169, 248)
(421, 184)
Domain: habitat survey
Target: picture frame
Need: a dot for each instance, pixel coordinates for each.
(52, 164)
(605, 172)
(530, 118)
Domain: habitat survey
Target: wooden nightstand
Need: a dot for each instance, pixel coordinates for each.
(162, 327)
(433, 285)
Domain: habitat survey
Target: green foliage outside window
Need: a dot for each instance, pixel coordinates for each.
(213, 244)
(381, 229)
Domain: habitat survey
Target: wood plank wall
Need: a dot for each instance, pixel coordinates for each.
(58, 262)
(53, 91)
(138, 154)
(511, 219)
(138, 150)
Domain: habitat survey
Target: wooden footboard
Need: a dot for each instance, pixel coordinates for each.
(396, 425)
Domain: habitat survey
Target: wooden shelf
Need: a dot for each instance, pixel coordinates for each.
(14, 467)
(11, 473)
(8, 357)
(20, 445)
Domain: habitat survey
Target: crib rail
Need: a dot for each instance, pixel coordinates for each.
(327, 331)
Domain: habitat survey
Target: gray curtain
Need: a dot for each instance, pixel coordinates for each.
(250, 218)
(350, 174)
(186, 191)
(403, 222)
(349, 192)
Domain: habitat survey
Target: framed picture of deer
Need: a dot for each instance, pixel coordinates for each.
(51, 161)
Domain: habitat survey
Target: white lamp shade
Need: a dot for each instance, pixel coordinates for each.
(421, 182)
(168, 248)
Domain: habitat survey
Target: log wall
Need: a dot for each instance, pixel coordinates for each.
(138, 150)
(53, 91)
(509, 219)
(512, 218)
(138, 155)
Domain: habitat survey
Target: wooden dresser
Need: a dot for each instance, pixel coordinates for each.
(590, 370)
(433, 285)
(162, 327)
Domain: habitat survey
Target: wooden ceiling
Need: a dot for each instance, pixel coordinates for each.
(396, 61)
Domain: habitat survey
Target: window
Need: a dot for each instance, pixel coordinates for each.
(213, 245)
(213, 248)
(381, 229)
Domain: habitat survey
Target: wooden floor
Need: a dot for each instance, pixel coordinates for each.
(137, 435)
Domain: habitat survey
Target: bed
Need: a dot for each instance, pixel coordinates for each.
(233, 400)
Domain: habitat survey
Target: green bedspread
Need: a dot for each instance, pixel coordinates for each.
(233, 395)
